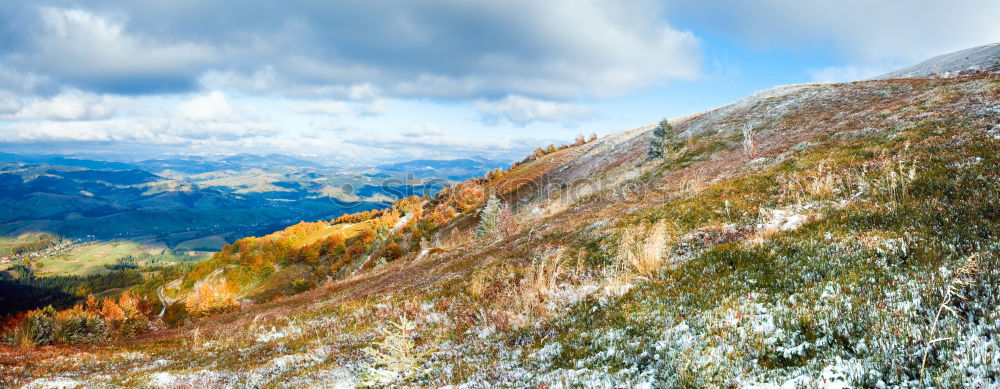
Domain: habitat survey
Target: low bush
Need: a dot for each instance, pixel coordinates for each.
(175, 315)
(301, 285)
(79, 326)
(37, 328)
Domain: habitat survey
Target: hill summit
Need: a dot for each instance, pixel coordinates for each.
(984, 58)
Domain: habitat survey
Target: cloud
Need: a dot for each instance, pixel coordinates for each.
(89, 51)
(22, 82)
(375, 107)
(209, 107)
(88, 131)
(521, 110)
(68, 105)
(321, 107)
(364, 92)
(77, 116)
(147, 131)
(864, 32)
(440, 146)
(422, 130)
(9, 103)
(359, 50)
(848, 73)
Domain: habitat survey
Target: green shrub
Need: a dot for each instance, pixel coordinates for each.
(79, 326)
(301, 285)
(175, 315)
(133, 325)
(38, 327)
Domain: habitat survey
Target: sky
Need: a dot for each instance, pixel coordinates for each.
(359, 82)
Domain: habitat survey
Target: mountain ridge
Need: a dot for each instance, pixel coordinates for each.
(984, 58)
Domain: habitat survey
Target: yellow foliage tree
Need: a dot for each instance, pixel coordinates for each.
(211, 297)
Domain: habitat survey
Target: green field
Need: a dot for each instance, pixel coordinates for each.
(8, 245)
(208, 243)
(90, 258)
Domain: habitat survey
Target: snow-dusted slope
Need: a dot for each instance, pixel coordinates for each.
(982, 58)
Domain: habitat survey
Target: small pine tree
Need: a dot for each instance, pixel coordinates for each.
(659, 139)
(488, 218)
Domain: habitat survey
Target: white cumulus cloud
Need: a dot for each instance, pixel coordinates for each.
(209, 107)
(522, 110)
(422, 130)
(69, 105)
(321, 107)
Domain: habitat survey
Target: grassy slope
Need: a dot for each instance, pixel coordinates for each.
(822, 258)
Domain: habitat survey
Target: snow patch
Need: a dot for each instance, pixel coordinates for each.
(275, 333)
(162, 379)
(54, 383)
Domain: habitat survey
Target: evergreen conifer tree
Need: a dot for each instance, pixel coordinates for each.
(488, 218)
(659, 139)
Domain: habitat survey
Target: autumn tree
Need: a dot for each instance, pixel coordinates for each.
(335, 245)
(538, 153)
(367, 235)
(392, 251)
(210, 297)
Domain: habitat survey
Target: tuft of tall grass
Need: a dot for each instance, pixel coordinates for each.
(395, 359)
(644, 251)
(961, 277)
(542, 279)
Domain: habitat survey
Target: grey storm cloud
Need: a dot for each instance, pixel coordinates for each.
(450, 49)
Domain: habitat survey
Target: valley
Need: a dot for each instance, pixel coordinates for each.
(67, 217)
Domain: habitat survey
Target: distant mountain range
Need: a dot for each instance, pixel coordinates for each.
(185, 199)
(58, 160)
(455, 169)
(198, 164)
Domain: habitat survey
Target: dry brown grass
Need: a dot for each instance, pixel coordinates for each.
(516, 295)
(896, 178)
(962, 276)
(542, 281)
(820, 184)
(644, 251)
